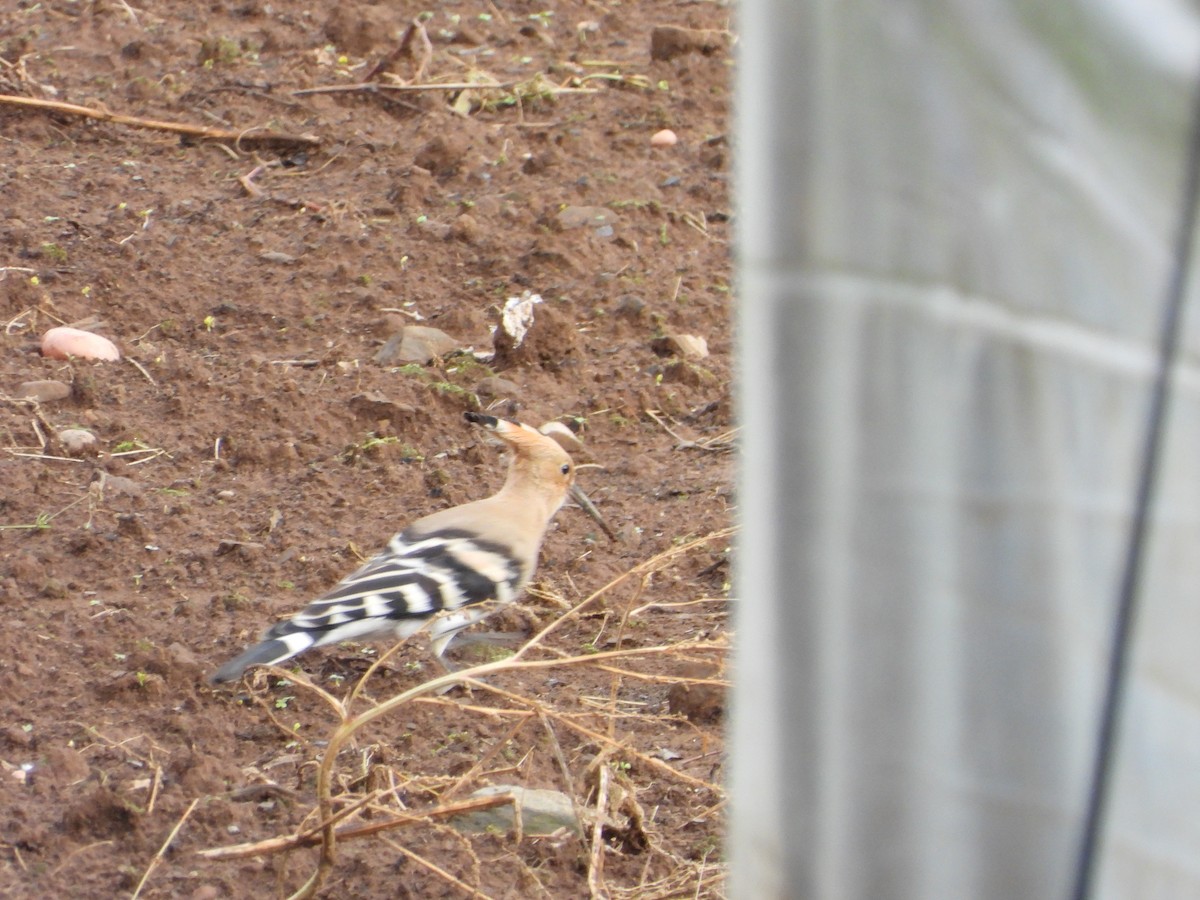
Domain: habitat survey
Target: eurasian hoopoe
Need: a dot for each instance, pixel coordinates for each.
(450, 560)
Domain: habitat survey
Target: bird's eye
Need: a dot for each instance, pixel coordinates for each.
(566, 468)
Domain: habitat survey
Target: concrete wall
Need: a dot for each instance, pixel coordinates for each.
(955, 226)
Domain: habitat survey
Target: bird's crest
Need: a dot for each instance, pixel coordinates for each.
(525, 440)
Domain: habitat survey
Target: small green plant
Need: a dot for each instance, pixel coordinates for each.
(225, 51)
(282, 703)
(370, 444)
(142, 678)
(54, 253)
(468, 368)
(235, 600)
(41, 523)
(446, 387)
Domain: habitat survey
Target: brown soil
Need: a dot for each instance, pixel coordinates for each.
(250, 447)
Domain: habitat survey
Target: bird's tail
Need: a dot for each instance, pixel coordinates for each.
(268, 653)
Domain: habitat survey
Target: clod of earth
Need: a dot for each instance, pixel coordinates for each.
(669, 41)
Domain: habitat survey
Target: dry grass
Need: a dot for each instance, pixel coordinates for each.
(605, 794)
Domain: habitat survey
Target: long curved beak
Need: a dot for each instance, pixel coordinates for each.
(588, 507)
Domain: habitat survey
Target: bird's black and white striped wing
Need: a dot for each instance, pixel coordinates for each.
(417, 576)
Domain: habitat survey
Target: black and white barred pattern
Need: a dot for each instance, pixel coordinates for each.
(396, 593)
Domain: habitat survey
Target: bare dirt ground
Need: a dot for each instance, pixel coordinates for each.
(252, 445)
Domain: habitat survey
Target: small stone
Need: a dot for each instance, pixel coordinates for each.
(374, 405)
(76, 441)
(562, 435)
(570, 217)
(274, 256)
(495, 386)
(416, 344)
(44, 391)
(543, 812)
(439, 231)
(116, 485)
(664, 138)
(686, 345)
(64, 342)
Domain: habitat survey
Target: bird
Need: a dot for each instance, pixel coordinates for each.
(451, 561)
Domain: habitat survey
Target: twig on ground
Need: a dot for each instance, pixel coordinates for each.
(137, 365)
(247, 182)
(196, 132)
(312, 836)
(371, 87)
(158, 857)
(596, 857)
(719, 444)
(437, 870)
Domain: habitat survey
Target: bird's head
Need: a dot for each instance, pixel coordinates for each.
(539, 466)
(538, 463)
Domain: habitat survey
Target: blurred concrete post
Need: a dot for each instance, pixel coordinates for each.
(954, 219)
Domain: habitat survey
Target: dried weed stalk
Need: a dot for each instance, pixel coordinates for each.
(610, 789)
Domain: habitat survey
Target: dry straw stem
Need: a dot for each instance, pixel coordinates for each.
(312, 836)
(196, 132)
(596, 861)
(584, 731)
(349, 726)
(158, 857)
